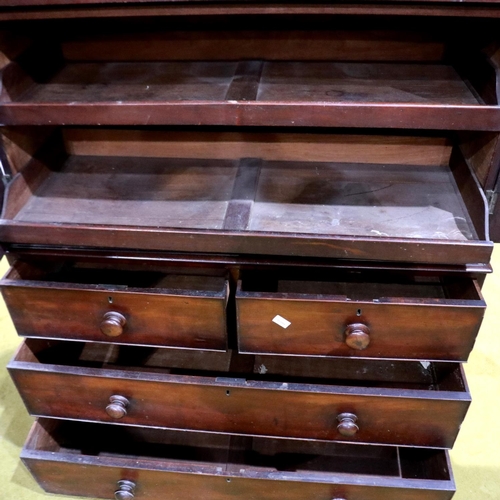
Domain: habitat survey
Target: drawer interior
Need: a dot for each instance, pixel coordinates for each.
(187, 449)
(367, 286)
(230, 366)
(250, 183)
(193, 281)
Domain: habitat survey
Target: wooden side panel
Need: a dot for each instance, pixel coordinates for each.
(11, 46)
(482, 152)
(236, 406)
(174, 320)
(317, 327)
(20, 144)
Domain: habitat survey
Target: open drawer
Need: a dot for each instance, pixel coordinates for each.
(97, 460)
(336, 73)
(80, 301)
(404, 403)
(353, 314)
(371, 197)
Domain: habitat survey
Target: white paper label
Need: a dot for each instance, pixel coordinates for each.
(281, 321)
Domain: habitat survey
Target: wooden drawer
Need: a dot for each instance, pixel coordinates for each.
(94, 460)
(121, 306)
(358, 315)
(359, 197)
(410, 403)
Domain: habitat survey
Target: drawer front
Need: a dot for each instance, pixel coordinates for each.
(433, 329)
(176, 319)
(97, 481)
(235, 405)
(214, 471)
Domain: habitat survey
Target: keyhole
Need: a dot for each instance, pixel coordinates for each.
(110, 300)
(358, 313)
(228, 393)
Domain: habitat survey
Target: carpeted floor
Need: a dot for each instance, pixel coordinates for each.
(475, 457)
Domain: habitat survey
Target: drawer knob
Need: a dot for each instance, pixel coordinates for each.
(113, 323)
(117, 407)
(125, 490)
(357, 336)
(347, 424)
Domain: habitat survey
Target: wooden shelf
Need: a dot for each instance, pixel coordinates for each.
(198, 193)
(296, 78)
(348, 94)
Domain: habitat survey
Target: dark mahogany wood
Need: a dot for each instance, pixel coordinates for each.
(129, 308)
(251, 113)
(216, 468)
(479, 9)
(423, 320)
(241, 403)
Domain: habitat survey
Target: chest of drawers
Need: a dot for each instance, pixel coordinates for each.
(247, 242)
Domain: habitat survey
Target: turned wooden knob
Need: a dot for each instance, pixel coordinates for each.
(357, 336)
(347, 424)
(113, 323)
(117, 407)
(125, 490)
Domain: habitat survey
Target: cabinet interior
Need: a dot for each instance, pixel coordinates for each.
(291, 60)
(356, 285)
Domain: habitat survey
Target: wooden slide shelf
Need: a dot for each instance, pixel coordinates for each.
(195, 78)
(324, 94)
(362, 198)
